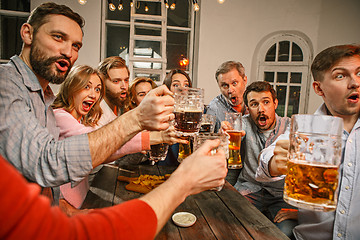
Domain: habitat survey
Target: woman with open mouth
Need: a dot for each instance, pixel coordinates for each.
(77, 111)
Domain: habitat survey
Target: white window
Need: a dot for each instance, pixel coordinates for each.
(12, 15)
(284, 62)
(151, 41)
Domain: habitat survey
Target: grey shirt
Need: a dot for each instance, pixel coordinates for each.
(28, 132)
(344, 222)
(218, 107)
(252, 143)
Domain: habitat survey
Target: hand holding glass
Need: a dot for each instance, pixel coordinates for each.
(200, 138)
(314, 158)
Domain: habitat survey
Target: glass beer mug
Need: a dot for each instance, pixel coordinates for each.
(314, 159)
(188, 109)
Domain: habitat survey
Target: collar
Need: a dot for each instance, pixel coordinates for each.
(29, 78)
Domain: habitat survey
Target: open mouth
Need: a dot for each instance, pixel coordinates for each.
(354, 97)
(62, 65)
(87, 105)
(262, 120)
(123, 94)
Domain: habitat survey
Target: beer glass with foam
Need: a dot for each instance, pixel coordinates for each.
(188, 109)
(200, 138)
(234, 124)
(314, 159)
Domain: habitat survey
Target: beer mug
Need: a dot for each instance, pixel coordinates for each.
(200, 138)
(234, 122)
(158, 152)
(314, 159)
(188, 109)
(207, 123)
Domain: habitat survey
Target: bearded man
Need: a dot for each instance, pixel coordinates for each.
(116, 99)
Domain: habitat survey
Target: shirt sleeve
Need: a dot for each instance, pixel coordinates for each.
(29, 215)
(262, 172)
(30, 147)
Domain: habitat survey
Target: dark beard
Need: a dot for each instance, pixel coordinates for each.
(42, 65)
(116, 99)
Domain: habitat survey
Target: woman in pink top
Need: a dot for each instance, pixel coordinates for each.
(77, 111)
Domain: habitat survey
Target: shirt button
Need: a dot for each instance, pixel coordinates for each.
(350, 141)
(347, 187)
(339, 235)
(342, 211)
(349, 164)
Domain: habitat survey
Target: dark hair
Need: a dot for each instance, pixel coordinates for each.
(259, 86)
(76, 81)
(110, 63)
(168, 79)
(327, 58)
(39, 16)
(228, 66)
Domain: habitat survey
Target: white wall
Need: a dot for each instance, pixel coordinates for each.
(234, 29)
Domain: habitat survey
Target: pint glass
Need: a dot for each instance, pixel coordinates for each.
(235, 124)
(185, 149)
(314, 158)
(188, 109)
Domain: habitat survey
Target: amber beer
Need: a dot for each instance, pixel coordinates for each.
(310, 184)
(187, 121)
(185, 149)
(234, 160)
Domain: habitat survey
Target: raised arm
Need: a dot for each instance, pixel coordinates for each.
(153, 113)
(199, 172)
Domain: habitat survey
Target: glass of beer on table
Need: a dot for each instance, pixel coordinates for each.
(314, 159)
(234, 124)
(200, 138)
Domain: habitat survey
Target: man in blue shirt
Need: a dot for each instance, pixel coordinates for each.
(231, 80)
(336, 72)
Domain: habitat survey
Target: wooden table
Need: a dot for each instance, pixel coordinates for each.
(220, 215)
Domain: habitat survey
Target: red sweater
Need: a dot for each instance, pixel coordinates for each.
(25, 214)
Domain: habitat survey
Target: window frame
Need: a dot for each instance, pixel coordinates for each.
(10, 13)
(190, 30)
(287, 66)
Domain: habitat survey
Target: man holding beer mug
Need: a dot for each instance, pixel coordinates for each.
(336, 72)
(262, 126)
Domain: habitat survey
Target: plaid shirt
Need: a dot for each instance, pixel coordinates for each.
(28, 132)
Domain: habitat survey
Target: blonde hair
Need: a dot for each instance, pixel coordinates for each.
(132, 93)
(76, 81)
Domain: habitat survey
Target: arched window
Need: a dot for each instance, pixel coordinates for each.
(284, 61)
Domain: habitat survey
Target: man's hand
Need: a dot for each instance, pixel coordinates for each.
(278, 163)
(286, 213)
(201, 170)
(156, 110)
(225, 125)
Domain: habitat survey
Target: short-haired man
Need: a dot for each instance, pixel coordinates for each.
(262, 126)
(231, 80)
(336, 72)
